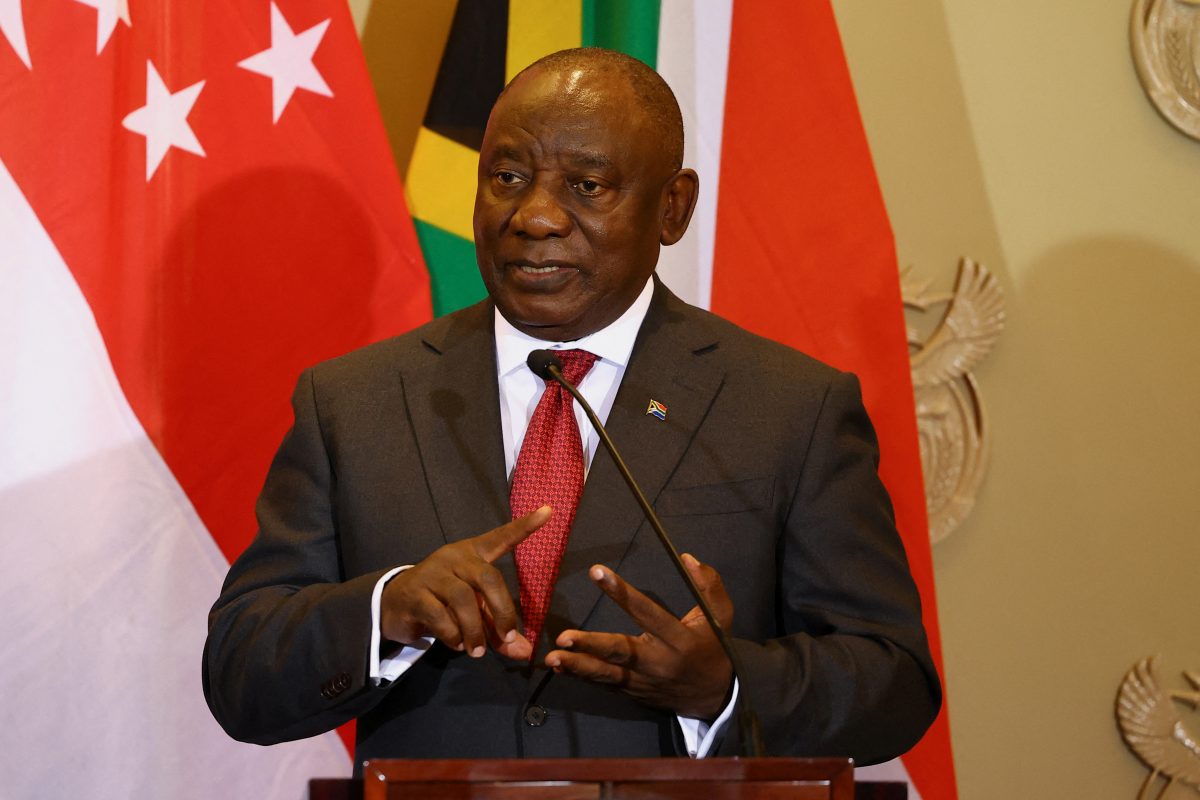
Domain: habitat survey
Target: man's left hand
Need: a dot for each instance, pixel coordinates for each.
(676, 664)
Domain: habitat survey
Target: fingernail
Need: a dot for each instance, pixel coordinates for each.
(511, 636)
(565, 642)
(459, 647)
(690, 560)
(477, 652)
(597, 574)
(552, 661)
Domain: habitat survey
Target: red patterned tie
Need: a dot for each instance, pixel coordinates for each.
(549, 471)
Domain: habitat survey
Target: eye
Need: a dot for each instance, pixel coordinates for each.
(588, 187)
(506, 178)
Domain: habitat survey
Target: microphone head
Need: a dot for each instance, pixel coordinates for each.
(540, 361)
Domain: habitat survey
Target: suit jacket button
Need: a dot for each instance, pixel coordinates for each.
(535, 716)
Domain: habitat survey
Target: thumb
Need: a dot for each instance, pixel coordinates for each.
(498, 541)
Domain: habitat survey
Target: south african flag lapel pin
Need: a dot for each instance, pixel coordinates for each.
(656, 409)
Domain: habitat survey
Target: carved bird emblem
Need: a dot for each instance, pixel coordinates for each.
(1152, 727)
(951, 423)
(968, 330)
(1164, 36)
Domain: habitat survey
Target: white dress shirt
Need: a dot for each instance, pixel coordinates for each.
(520, 391)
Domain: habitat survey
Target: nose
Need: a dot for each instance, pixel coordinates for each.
(540, 215)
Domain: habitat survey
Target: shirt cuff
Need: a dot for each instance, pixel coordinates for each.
(698, 735)
(382, 670)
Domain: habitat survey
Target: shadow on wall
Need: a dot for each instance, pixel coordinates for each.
(1081, 557)
(1110, 336)
(1111, 391)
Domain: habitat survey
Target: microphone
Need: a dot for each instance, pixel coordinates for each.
(545, 365)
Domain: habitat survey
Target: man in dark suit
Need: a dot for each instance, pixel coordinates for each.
(381, 583)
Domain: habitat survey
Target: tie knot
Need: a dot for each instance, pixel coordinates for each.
(576, 364)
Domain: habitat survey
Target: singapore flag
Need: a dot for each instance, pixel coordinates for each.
(197, 200)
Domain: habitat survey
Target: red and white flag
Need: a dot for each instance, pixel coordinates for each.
(791, 239)
(197, 200)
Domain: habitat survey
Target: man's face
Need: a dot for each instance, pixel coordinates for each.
(570, 204)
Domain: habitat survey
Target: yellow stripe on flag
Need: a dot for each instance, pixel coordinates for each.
(540, 27)
(440, 184)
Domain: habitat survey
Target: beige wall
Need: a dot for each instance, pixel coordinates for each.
(1017, 133)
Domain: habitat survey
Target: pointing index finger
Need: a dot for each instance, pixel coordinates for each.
(653, 618)
(498, 541)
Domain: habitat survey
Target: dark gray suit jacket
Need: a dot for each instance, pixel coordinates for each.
(765, 468)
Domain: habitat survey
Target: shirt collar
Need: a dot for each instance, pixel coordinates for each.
(613, 343)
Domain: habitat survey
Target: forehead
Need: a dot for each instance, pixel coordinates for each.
(587, 114)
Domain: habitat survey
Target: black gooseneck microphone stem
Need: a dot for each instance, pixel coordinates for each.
(748, 720)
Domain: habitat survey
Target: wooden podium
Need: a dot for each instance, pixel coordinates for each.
(607, 779)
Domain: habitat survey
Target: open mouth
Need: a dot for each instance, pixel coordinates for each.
(539, 269)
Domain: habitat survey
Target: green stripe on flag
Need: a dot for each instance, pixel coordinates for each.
(453, 272)
(630, 26)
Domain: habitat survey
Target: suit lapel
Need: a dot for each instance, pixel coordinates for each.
(666, 365)
(456, 421)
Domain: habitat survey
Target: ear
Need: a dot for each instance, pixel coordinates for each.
(679, 197)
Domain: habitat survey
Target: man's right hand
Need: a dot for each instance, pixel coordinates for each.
(459, 598)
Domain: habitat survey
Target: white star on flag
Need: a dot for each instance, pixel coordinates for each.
(163, 120)
(13, 28)
(288, 61)
(107, 14)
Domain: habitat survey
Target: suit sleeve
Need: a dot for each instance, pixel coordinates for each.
(288, 639)
(852, 674)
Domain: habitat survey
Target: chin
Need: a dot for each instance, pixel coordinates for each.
(549, 331)
(533, 316)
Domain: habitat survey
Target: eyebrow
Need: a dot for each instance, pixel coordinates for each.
(590, 158)
(508, 152)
